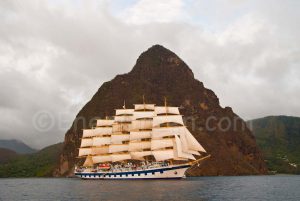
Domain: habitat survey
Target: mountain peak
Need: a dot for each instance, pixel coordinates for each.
(158, 60)
(157, 47)
(17, 146)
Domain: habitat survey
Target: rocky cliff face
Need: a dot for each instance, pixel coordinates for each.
(160, 73)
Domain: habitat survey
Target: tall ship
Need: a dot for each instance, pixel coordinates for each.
(147, 142)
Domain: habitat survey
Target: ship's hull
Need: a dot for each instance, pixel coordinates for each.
(169, 172)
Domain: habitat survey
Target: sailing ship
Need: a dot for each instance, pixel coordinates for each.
(147, 142)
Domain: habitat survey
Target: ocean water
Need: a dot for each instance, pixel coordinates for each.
(278, 187)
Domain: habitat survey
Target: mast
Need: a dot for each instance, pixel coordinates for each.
(95, 141)
(171, 140)
(144, 102)
(124, 106)
(120, 136)
(140, 135)
(166, 109)
(85, 149)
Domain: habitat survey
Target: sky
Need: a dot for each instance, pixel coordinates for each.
(54, 55)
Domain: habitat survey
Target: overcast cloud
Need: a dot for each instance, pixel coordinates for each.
(54, 55)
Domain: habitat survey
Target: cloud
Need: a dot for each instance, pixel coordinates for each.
(54, 55)
(145, 11)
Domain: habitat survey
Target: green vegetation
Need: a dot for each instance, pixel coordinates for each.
(39, 164)
(279, 139)
(7, 155)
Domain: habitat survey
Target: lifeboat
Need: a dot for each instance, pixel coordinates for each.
(104, 166)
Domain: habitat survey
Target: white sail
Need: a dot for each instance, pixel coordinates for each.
(115, 148)
(185, 147)
(100, 141)
(100, 150)
(99, 131)
(119, 138)
(192, 152)
(160, 132)
(166, 110)
(139, 146)
(86, 142)
(167, 119)
(139, 155)
(104, 122)
(161, 155)
(161, 143)
(144, 106)
(88, 133)
(121, 127)
(124, 118)
(193, 144)
(179, 152)
(138, 135)
(143, 115)
(84, 151)
(102, 158)
(143, 124)
(88, 162)
(120, 157)
(124, 111)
